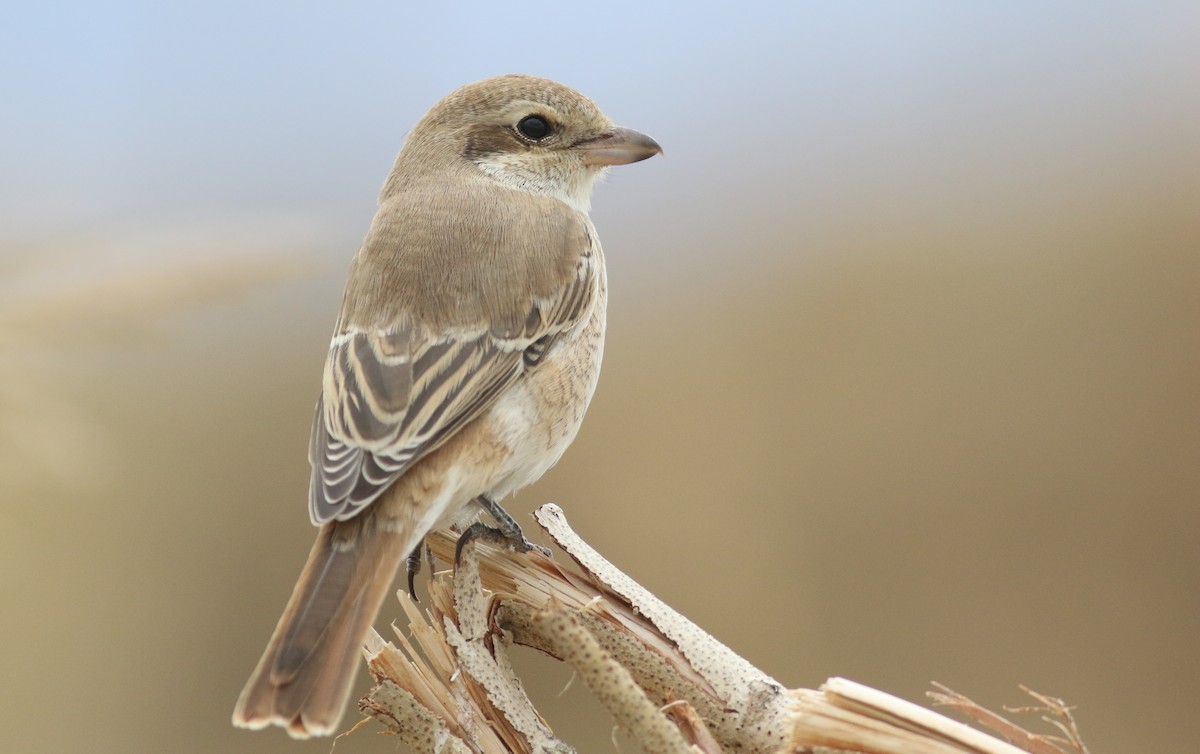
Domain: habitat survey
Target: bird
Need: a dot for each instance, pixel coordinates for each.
(465, 353)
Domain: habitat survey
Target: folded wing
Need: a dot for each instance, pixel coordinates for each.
(391, 395)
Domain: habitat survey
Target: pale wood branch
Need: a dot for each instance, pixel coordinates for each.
(668, 685)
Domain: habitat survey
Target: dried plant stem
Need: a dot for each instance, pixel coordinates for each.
(667, 684)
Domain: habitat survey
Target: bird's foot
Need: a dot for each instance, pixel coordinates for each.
(412, 566)
(506, 532)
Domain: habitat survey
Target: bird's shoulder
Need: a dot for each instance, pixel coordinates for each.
(462, 253)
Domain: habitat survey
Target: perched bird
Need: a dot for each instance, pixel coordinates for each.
(465, 354)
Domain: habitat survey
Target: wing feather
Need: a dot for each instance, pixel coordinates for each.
(393, 394)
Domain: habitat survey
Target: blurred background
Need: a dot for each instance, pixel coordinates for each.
(902, 369)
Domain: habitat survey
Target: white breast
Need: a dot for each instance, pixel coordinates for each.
(538, 417)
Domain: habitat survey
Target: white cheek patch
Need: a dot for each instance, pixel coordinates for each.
(574, 187)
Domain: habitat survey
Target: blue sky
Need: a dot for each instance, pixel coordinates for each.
(123, 110)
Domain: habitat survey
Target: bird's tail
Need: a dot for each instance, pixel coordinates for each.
(305, 675)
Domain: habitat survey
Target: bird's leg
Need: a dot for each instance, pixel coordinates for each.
(506, 531)
(412, 565)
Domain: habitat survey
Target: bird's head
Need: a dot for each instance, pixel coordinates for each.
(527, 133)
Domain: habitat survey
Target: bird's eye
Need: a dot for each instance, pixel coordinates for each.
(534, 127)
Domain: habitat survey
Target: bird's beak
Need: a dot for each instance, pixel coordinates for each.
(618, 146)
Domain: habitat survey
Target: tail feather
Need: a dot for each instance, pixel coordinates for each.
(306, 673)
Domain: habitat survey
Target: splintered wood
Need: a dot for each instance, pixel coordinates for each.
(668, 685)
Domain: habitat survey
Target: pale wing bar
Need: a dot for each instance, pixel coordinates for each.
(375, 438)
(398, 394)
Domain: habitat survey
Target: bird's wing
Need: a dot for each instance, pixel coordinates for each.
(395, 390)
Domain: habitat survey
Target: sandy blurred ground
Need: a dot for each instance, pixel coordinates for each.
(901, 381)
